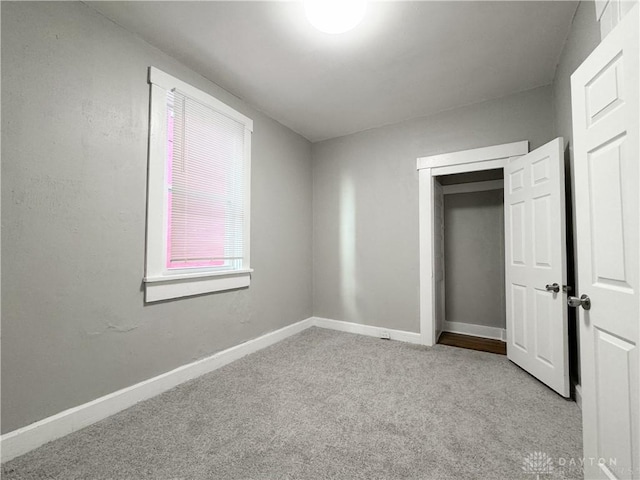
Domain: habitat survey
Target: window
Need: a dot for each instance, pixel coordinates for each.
(198, 192)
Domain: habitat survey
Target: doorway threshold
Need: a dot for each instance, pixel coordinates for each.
(473, 343)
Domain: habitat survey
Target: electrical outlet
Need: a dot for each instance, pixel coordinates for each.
(385, 335)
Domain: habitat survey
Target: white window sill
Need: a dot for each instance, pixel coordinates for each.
(184, 285)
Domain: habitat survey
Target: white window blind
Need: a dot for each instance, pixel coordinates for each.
(206, 203)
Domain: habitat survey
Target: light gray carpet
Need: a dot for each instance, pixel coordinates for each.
(326, 404)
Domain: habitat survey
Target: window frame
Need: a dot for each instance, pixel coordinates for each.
(162, 283)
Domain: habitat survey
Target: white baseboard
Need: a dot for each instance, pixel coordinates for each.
(578, 390)
(475, 330)
(368, 330)
(23, 440)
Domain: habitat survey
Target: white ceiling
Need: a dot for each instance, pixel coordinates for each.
(405, 60)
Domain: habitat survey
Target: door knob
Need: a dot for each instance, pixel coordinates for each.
(584, 301)
(555, 288)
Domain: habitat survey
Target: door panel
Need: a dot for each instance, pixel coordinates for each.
(612, 357)
(605, 111)
(544, 331)
(541, 229)
(537, 336)
(518, 326)
(517, 237)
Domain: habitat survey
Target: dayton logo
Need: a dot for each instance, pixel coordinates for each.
(538, 463)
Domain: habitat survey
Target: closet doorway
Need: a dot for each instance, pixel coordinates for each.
(532, 290)
(470, 228)
(470, 241)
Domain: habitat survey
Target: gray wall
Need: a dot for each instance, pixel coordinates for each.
(75, 104)
(74, 133)
(365, 203)
(474, 258)
(583, 38)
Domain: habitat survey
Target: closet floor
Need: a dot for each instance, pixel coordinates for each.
(473, 343)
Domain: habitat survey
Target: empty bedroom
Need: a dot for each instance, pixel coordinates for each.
(320, 239)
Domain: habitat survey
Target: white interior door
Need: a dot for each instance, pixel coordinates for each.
(605, 126)
(535, 251)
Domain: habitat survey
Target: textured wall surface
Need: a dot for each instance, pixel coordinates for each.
(365, 203)
(75, 103)
(474, 258)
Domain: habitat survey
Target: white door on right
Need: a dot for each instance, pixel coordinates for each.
(607, 174)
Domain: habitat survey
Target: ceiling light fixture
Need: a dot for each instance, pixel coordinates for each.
(335, 16)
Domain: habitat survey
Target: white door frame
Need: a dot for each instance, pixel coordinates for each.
(477, 159)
